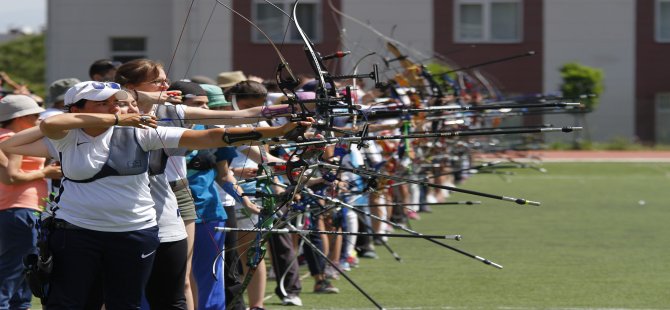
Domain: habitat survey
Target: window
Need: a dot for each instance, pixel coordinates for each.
(492, 21)
(662, 115)
(273, 22)
(126, 49)
(663, 20)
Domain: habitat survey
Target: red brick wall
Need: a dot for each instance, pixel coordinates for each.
(522, 75)
(519, 76)
(652, 73)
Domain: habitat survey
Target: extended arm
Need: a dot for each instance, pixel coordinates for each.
(218, 137)
(57, 126)
(227, 181)
(4, 161)
(246, 116)
(27, 143)
(218, 117)
(18, 176)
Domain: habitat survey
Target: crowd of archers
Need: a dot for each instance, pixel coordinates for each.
(131, 191)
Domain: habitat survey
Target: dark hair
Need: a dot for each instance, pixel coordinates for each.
(102, 66)
(137, 71)
(247, 90)
(6, 123)
(271, 86)
(79, 104)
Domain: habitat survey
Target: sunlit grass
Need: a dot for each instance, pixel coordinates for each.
(599, 240)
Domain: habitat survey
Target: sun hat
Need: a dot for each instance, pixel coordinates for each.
(58, 88)
(215, 96)
(14, 106)
(201, 79)
(94, 91)
(229, 79)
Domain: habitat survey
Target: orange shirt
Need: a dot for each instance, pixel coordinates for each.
(26, 195)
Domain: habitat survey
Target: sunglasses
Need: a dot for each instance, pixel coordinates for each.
(103, 85)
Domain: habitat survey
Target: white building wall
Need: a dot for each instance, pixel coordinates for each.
(597, 33)
(213, 54)
(410, 22)
(79, 33)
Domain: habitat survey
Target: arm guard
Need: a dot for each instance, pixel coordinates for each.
(231, 138)
(273, 111)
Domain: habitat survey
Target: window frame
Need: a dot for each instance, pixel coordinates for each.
(486, 22)
(285, 20)
(657, 22)
(134, 53)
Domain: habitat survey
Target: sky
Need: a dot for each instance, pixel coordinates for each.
(20, 13)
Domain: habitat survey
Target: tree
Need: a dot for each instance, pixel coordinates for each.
(585, 84)
(24, 60)
(582, 82)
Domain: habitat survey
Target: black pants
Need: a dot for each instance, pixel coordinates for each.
(284, 262)
(165, 289)
(124, 259)
(315, 262)
(232, 265)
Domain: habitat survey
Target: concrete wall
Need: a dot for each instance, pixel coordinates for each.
(597, 33)
(413, 27)
(79, 33)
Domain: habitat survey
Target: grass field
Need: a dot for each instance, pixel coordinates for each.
(591, 245)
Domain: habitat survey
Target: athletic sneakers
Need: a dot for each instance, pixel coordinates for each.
(344, 265)
(412, 215)
(353, 260)
(430, 198)
(325, 287)
(331, 272)
(291, 300)
(368, 254)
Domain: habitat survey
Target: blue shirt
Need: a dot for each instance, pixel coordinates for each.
(206, 197)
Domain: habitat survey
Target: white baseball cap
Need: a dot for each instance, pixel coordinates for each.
(94, 91)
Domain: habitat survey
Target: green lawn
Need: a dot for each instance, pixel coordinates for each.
(590, 245)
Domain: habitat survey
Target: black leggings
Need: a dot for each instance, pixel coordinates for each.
(165, 289)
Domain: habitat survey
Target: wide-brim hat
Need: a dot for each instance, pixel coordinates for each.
(229, 79)
(14, 106)
(201, 79)
(94, 91)
(58, 88)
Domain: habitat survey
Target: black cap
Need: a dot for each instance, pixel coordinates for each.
(188, 89)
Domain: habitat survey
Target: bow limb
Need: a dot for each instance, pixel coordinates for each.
(257, 252)
(288, 83)
(375, 31)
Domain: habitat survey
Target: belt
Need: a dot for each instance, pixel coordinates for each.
(62, 224)
(178, 185)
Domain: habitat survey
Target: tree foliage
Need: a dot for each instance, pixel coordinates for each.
(582, 83)
(24, 60)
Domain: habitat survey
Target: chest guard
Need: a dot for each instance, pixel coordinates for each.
(126, 156)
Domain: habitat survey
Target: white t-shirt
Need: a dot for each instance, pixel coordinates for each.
(114, 203)
(170, 224)
(176, 164)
